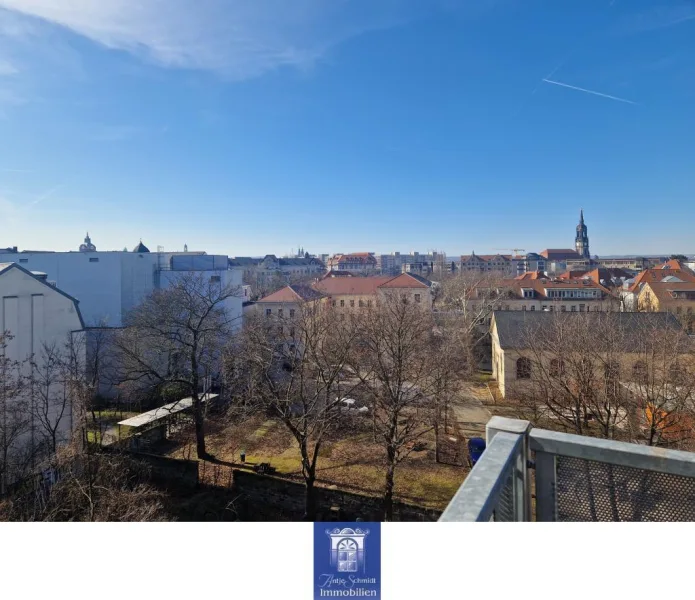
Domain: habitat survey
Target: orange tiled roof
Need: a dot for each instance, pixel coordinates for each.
(541, 284)
(363, 286)
(293, 293)
(405, 280)
(357, 286)
(659, 273)
(530, 275)
(662, 289)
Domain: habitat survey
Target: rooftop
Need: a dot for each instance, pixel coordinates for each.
(514, 328)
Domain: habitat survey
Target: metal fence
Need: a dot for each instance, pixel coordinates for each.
(490, 490)
(577, 478)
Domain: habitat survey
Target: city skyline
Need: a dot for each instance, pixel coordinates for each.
(406, 125)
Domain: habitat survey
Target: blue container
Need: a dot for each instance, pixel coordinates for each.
(476, 447)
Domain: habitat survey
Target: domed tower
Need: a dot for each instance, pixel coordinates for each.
(141, 248)
(87, 246)
(581, 242)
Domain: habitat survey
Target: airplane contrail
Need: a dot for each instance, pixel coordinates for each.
(574, 87)
(47, 194)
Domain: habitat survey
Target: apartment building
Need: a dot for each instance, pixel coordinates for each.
(356, 262)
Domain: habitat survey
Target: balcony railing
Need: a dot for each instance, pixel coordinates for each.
(528, 474)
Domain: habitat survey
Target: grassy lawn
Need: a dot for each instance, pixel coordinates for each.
(353, 461)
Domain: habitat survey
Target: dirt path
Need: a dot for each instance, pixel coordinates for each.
(469, 410)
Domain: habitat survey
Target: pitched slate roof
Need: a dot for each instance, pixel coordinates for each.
(514, 327)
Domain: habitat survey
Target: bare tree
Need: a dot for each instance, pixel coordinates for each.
(80, 486)
(175, 338)
(391, 359)
(471, 297)
(572, 366)
(51, 404)
(15, 417)
(292, 368)
(445, 349)
(663, 388)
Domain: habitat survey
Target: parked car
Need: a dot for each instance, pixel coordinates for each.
(476, 447)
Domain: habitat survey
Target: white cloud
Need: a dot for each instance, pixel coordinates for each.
(238, 38)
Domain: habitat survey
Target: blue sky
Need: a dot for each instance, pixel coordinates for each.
(250, 127)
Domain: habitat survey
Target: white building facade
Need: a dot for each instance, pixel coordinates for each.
(40, 324)
(109, 284)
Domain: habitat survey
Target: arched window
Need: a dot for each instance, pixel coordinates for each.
(639, 371)
(523, 368)
(557, 367)
(347, 556)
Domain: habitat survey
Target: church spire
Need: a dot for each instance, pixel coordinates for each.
(581, 242)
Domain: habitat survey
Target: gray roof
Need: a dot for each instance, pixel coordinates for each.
(299, 261)
(513, 327)
(421, 279)
(244, 261)
(141, 248)
(306, 292)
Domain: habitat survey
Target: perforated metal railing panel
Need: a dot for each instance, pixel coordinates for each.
(593, 491)
(504, 511)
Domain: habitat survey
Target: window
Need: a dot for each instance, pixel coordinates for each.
(369, 303)
(557, 367)
(352, 303)
(23, 260)
(417, 297)
(280, 312)
(523, 307)
(291, 313)
(523, 368)
(347, 556)
(342, 303)
(563, 309)
(574, 309)
(361, 303)
(291, 331)
(93, 260)
(215, 279)
(332, 302)
(581, 308)
(533, 308)
(268, 312)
